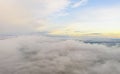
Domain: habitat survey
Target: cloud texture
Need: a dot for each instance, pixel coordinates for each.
(45, 55)
(23, 15)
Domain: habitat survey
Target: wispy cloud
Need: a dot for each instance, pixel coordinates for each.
(91, 20)
(15, 15)
(79, 3)
(23, 15)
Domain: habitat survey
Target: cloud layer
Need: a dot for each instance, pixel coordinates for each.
(23, 15)
(45, 55)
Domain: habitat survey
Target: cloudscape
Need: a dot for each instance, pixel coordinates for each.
(45, 55)
(59, 36)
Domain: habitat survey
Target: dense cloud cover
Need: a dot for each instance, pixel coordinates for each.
(46, 55)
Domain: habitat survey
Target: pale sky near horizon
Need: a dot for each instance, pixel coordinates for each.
(61, 17)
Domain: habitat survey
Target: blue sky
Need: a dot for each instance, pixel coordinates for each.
(89, 14)
(91, 4)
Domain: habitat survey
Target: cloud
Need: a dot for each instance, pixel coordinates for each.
(80, 3)
(46, 7)
(40, 54)
(22, 16)
(91, 20)
(12, 13)
(13, 17)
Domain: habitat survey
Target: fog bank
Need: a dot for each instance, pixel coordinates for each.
(47, 55)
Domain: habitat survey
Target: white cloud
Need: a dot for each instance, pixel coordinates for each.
(22, 15)
(93, 20)
(14, 18)
(80, 3)
(46, 7)
(106, 19)
(39, 54)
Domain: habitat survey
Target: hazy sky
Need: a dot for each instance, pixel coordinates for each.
(61, 17)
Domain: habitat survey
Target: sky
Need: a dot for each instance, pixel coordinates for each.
(61, 17)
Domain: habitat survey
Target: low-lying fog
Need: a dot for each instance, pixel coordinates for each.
(48, 55)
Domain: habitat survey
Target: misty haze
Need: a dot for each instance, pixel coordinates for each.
(35, 54)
